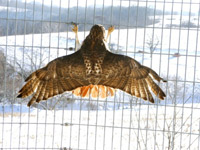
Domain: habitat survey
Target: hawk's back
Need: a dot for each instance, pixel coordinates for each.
(94, 51)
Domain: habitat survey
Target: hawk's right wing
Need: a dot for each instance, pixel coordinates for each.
(125, 73)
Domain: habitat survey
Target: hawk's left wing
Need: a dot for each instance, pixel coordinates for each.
(125, 73)
(62, 74)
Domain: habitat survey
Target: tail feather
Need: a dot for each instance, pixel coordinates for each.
(94, 91)
(85, 91)
(77, 92)
(103, 93)
(111, 91)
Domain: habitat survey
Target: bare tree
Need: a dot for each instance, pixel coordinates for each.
(152, 44)
(9, 79)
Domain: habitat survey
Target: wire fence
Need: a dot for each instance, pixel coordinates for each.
(162, 35)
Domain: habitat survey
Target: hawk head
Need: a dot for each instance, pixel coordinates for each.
(97, 32)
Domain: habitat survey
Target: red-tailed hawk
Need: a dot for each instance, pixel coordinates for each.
(92, 90)
(92, 65)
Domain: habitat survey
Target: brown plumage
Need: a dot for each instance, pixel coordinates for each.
(92, 65)
(92, 90)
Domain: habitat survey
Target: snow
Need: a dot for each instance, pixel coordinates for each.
(87, 129)
(16, 108)
(12, 9)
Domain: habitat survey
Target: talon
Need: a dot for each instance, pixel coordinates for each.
(110, 30)
(75, 28)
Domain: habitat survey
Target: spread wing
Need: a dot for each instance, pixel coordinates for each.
(62, 74)
(125, 73)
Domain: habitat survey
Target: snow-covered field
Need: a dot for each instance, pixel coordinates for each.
(162, 126)
(142, 126)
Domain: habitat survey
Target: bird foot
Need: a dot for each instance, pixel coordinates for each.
(75, 28)
(110, 30)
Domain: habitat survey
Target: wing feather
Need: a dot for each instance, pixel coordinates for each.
(50, 85)
(60, 88)
(127, 88)
(35, 96)
(42, 92)
(30, 88)
(46, 95)
(55, 87)
(142, 90)
(149, 95)
(127, 74)
(133, 87)
(63, 84)
(155, 88)
(56, 78)
(137, 91)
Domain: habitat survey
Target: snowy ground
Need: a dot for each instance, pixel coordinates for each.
(102, 129)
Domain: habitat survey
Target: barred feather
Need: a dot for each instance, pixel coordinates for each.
(92, 70)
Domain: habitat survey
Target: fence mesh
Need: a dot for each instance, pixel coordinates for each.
(160, 34)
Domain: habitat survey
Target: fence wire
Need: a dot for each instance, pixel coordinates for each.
(160, 34)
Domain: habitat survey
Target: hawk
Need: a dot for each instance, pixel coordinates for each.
(92, 65)
(93, 90)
